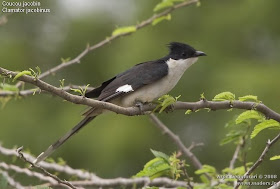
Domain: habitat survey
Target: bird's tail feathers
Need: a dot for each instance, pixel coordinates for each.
(63, 139)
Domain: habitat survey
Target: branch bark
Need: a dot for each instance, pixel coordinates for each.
(130, 111)
(260, 159)
(176, 139)
(213, 105)
(81, 174)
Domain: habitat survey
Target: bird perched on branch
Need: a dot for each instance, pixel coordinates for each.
(140, 84)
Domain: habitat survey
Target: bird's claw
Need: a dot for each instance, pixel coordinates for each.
(140, 106)
(169, 108)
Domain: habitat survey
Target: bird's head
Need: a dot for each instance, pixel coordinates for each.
(179, 51)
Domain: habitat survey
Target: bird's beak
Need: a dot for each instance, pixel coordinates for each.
(199, 53)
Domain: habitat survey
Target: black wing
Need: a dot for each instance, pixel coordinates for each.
(97, 91)
(137, 76)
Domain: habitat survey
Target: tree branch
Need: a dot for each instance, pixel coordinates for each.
(82, 174)
(275, 186)
(131, 182)
(89, 179)
(27, 172)
(176, 139)
(235, 156)
(260, 159)
(62, 182)
(29, 92)
(130, 111)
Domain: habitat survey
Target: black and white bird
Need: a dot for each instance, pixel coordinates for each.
(142, 83)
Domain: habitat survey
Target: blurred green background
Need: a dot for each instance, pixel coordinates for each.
(240, 37)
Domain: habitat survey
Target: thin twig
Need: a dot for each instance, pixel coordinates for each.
(82, 174)
(235, 156)
(275, 186)
(194, 145)
(64, 183)
(33, 91)
(260, 159)
(176, 139)
(27, 172)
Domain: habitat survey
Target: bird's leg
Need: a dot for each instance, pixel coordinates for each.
(140, 105)
(169, 108)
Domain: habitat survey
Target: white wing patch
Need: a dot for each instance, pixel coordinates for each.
(125, 88)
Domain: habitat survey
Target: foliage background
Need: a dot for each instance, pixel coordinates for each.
(241, 39)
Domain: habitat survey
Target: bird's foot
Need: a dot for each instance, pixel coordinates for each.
(140, 106)
(169, 108)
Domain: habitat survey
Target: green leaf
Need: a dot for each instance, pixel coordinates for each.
(163, 5)
(61, 161)
(165, 101)
(188, 112)
(204, 179)
(61, 83)
(275, 157)
(156, 167)
(160, 19)
(264, 125)
(248, 98)
(238, 170)
(77, 91)
(25, 72)
(202, 96)
(249, 114)
(64, 60)
(206, 169)
(224, 96)
(35, 74)
(124, 30)
(160, 155)
(7, 87)
(231, 136)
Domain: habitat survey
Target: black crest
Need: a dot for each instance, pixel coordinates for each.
(181, 51)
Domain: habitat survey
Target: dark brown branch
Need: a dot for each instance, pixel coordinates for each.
(260, 159)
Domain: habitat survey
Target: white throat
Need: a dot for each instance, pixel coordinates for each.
(180, 66)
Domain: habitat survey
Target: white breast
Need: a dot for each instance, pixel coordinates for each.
(148, 93)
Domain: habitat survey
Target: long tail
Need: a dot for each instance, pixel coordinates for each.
(63, 139)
